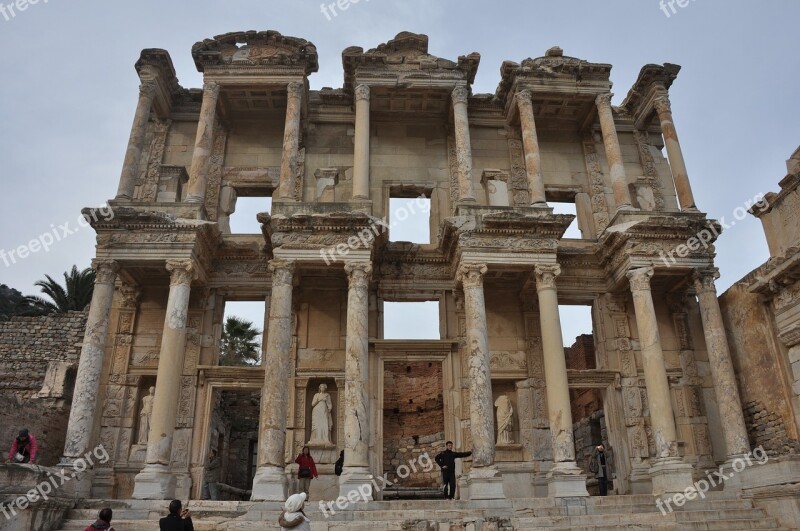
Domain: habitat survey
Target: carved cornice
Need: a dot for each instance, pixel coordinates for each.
(653, 81)
(256, 49)
(471, 275)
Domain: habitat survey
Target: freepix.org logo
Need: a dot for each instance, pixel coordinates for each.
(10, 10)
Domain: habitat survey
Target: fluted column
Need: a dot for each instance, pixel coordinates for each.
(130, 167)
(203, 144)
(466, 189)
(485, 481)
(361, 154)
(619, 181)
(82, 414)
(565, 478)
(530, 143)
(719, 360)
(155, 481)
(655, 371)
(679, 173)
(269, 482)
(356, 394)
(291, 141)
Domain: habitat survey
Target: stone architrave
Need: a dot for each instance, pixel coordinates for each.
(356, 394)
(204, 142)
(130, 168)
(565, 478)
(530, 142)
(466, 189)
(291, 141)
(668, 472)
(156, 481)
(82, 414)
(485, 480)
(619, 181)
(270, 483)
(719, 359)
(675, 154)
(361, 153)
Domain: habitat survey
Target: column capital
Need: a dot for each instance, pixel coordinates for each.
(546, 275)
(662, 104)
(211, 89)
(358, 273)
(294, 89)
(524, 97)
(460, 95)
(640, 278)
(147, 88)
(130, 295)
(362, 92)
(704, 280)
(604, 100)
(282, 271)
(105, 271)
(471, 275)
(181, 272)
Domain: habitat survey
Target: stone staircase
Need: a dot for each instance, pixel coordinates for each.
(591, 514)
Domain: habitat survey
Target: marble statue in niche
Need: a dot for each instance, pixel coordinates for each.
(321, 418)
(144, 416)
(505, 412)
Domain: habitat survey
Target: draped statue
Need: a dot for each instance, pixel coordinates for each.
(321, 419)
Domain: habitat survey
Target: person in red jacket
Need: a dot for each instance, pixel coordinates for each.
(307, 470)
(24, 448)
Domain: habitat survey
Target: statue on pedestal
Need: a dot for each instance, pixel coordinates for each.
(144, 416)
(505, 411)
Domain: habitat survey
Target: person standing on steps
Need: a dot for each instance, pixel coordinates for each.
(178, 519)
(211, 477)
(598, 465)
(307, 470)
(447, 462)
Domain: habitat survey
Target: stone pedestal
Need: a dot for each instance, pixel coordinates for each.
(485, 483)
(154, 482)
(640, 478)
(566, 480)
(670, 475)
(356, 479)
(269, 484)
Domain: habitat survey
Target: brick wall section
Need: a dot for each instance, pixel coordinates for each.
(27, 345)
(413, 424)
(766, 429)
(581, 357)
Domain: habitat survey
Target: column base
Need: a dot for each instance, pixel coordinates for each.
(670, 475)
(640, 478)
(485, 483)
(566, 480)
(269, 484)
(80, 484)
(356, 479)
(154, 482)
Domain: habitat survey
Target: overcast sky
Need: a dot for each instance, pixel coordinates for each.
(68, 90)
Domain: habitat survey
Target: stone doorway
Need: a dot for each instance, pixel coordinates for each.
(413, 428)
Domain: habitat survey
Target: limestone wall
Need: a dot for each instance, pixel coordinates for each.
(28, 345)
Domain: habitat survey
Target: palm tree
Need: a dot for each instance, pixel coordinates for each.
(238, 345)
(74, 295)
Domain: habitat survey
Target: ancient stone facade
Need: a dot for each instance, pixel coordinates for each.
(404, 125)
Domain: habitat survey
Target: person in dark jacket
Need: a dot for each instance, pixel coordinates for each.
(339, 466)
(211, 477)
(103, 521)
(447, 462)
(178, 519)
(598, 465)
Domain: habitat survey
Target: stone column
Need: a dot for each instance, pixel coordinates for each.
(203, 144)
(291, 141)
(270, 482)
(356, 394)
(156, 481)
(619, 181)
(530, 142)
(130, 168)
(361, 153)
(675, 154)
(565, 478)
(719, 359)
(466, 189)
(83, 412)
(667, 472)
(485, 481)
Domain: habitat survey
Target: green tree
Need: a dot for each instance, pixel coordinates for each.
(74, 295)
(238, 345)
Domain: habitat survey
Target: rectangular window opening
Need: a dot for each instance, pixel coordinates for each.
(573, 231)
(241, 337)
(243, 220)
(411, 320)
(409, 219)
(576, 322)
